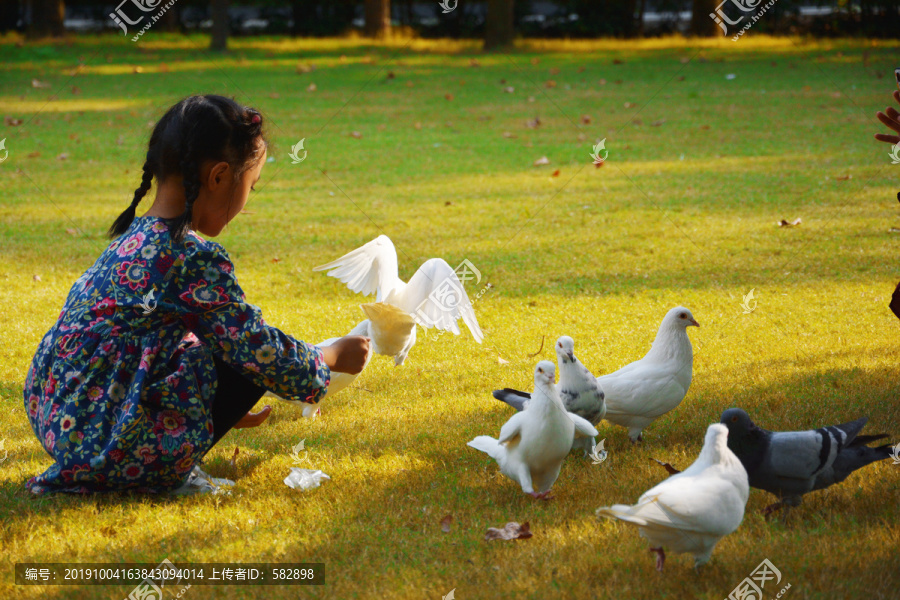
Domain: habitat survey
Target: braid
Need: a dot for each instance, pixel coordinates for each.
(124, 220)
(190, 172)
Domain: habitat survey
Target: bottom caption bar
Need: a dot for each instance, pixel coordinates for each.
(170, 575)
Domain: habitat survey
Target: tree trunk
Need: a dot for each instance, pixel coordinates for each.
(219, 40)
(47, 18)
(378, 18)
(701, 23)
(171, 21)
(499, 30)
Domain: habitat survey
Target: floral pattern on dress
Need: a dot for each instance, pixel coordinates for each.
(120, 397)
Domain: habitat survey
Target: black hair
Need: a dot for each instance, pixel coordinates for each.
(197, 129)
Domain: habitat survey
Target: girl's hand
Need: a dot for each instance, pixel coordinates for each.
(891, 118)
(348, 354)
(252, 419)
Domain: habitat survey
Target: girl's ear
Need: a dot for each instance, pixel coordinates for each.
(219, 175)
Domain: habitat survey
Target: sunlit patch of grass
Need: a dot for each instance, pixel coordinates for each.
(598, 254)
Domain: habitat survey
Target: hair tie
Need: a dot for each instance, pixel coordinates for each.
(256, 119)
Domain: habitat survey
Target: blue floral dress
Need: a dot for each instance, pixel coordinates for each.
(120, 390)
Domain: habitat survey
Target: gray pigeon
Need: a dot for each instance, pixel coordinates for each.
(790, 464)
(578, 389)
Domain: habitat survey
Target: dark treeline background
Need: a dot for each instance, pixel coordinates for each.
(498, 22)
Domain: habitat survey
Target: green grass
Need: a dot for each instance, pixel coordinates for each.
(682, 213)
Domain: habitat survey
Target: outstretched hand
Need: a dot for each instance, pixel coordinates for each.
(891, 118)
(348, 354)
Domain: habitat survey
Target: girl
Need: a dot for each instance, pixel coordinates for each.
(156, 355)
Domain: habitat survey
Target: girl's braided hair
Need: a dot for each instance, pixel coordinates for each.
(197, 129)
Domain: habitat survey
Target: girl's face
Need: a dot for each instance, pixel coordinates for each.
(222, 197)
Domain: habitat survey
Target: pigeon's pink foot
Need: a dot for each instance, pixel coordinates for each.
(541, 496)
(660, 558)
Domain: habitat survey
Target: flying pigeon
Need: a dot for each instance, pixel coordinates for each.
(641, 392)
(578, 389)
(693, 510)
(434, 297)
(790, 464)
(534, 442)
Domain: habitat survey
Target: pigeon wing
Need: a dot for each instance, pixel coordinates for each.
(436, 298)
(511, 430)
(370, 269)
(583, 427)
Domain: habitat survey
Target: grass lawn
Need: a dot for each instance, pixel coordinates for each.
(420, 141)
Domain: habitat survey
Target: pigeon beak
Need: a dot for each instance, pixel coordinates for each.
(695, 323)
(571, 356)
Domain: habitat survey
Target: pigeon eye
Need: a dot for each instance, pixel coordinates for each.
(734, 419)
(682, 316)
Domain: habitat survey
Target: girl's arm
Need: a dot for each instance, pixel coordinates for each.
(215, 310)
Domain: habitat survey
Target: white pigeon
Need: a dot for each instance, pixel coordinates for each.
(534, 442)
(434, 296)
(578, 389)
(641, 392)
(693, 510)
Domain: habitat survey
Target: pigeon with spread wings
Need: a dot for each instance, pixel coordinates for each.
(433, 297)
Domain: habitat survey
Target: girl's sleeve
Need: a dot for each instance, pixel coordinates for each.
(214, 309)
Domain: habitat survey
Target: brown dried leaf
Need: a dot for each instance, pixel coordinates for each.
(554, 71)
(510, 531)
(509, 89)
(275, 259)
(417, 125)
(63, 156)
(630, 105)
(669, 468)
(657, 123)
(618, 61)
(473, 62)
(12, 122)
(509, 136)
(390, 75)
(785, 223)
(233, 461)
(449, 97)
(533, 123)
(36, 278)
(355, 134)
(844, 177)
(550, 84)
(535, 61)
(445, 523)
(586, 119)
(555, 173)
(137, 70)
(34, 154)
(72, 231)
(76, 90)
(311, 87)
(35, 83)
